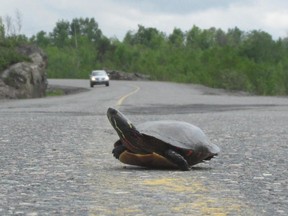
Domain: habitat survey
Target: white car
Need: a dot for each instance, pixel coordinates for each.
(98, 77)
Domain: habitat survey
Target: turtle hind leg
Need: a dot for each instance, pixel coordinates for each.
(177, 159)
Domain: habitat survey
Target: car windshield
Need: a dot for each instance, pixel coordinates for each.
(99, 73)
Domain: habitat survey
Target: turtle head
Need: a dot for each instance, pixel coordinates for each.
(120, 123)
(129, 135)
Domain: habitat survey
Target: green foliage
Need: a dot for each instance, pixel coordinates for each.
(54, 92)
(234, 60)
(8, 48)
(2, 30)
(9, 54)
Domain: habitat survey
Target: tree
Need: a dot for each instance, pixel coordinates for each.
(193, 37)
(18, 17)
(177, 38)
(221, 37)
(2, 30)
(235, 37)
(10, 28)
(103, 46)
(41, 39)
(60, 34)
(258, 46)
(208, 38)
(148, 37)
(85, 27)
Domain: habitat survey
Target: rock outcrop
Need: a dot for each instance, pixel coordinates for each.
(118, 75)
(25, 79)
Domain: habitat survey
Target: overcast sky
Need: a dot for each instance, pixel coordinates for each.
(116, 17)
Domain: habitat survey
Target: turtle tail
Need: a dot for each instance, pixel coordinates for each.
(210, 157)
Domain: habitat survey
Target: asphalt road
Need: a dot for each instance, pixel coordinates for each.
(55, 153)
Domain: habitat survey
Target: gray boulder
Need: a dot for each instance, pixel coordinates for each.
(25, 79)
(119, 75)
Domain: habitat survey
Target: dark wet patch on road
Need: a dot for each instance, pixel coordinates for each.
(161, 109)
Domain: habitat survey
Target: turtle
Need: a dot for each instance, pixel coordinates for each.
(160, 144)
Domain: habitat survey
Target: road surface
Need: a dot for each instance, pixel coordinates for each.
(55, 153)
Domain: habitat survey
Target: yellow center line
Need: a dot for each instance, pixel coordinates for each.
(121, 100)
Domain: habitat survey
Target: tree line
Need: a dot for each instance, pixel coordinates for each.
(234, 59)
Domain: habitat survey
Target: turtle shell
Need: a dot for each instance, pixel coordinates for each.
(171, 134)
(179, 134)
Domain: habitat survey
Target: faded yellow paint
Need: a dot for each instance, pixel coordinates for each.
(120, 211)
(130, 211)
(207, 206)
(202, 202)
(99, 210)
(121, 100)
(175, 184)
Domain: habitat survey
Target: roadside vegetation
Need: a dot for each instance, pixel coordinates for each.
(10, 39)
(233, 59)
(54, 92)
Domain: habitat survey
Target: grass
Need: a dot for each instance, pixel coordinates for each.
(54, 92)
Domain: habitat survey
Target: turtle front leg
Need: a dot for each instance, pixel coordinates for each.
(119, 148)
(177, 159)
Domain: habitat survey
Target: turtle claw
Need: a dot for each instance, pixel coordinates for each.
(118, 150)
(184, 167)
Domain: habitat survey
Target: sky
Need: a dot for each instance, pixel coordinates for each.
(116, 17)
